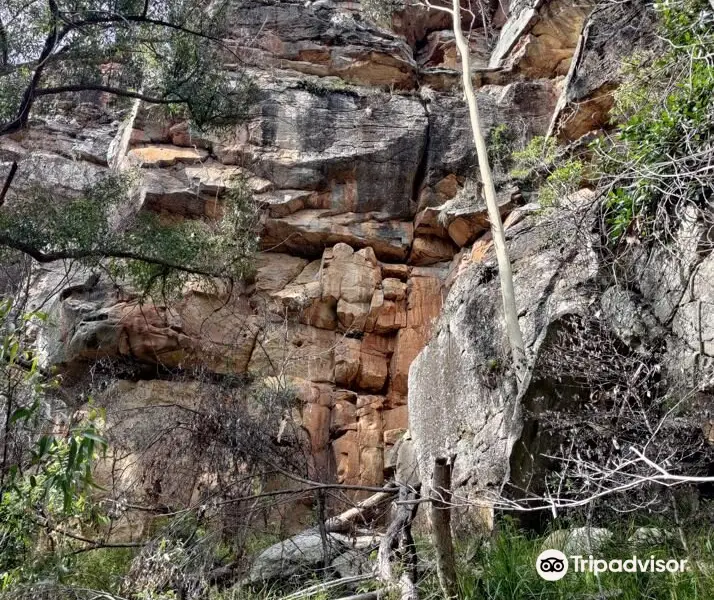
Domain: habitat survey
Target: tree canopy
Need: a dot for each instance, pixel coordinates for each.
(165, 53)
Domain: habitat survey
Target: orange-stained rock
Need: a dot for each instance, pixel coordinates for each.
(385, 315)
(447, 188)
(352, 315)
(378, 344)
(392, 436)
(430, 250)
(463, 231)
(305, 301)
(373, 370)
(343, 418)
(394, 289)
(155, 156)
(424, 301)
(316, 421)
(371, 466)
(224, 334)
(200, 330)
(396, 271)
(395, 418)
(350, 276)
(428, 223)
(303, 295)
(369, 424)
(345, 450)
(347, 359)
(275, 271)
(481, 247)
(409, 343)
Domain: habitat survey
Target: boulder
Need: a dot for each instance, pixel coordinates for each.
(578, 541)
(648, 537)
(300, 554)
(463, 399)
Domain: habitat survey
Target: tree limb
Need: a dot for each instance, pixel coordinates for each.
(105, 88)
(441, 528)
(400, 527)
(8, 182)
(48, 257)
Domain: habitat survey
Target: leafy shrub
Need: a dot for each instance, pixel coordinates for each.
(153, 255)
(541, 165)
(563, 181)
(660, 158)
(539, 153)
(500, 142)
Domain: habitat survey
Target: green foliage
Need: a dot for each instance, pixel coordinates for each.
(660, 161)
(565, 179)
(555, 176)
(540, 153)
(500, 143)
(100, 569)
(503, 568)
(171, 54)
(45, 478)
(154, 255)
(51, 495)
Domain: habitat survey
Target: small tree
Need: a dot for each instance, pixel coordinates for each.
(165, 53)
(510, 312)
(162, 53)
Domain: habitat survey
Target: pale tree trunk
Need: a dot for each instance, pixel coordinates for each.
(441, 528)
(510, 312)
(399, 534)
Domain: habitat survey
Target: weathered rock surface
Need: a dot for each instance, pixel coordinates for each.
(359, 149)
(300, 554)
(319, 39)
(581, 541)
(609, 37)
(463, 401)
(360, 157)
(540, 39)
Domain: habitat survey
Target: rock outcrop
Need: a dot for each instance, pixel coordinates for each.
(360, 159)
(464, 404)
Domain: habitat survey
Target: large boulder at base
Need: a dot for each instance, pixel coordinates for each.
(578, 541)
(464, 403)
(298, 555)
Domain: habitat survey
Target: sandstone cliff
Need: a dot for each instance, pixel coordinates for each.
(374, 235)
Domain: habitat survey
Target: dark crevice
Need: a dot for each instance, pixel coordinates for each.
(420, 173)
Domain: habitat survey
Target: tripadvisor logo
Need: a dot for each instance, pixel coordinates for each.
(552, 565)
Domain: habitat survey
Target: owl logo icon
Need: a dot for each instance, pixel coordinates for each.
(552, 565)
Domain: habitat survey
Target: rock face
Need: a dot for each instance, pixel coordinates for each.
(367, 197)
(609, 37)
(359, 156)
(463, 401)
